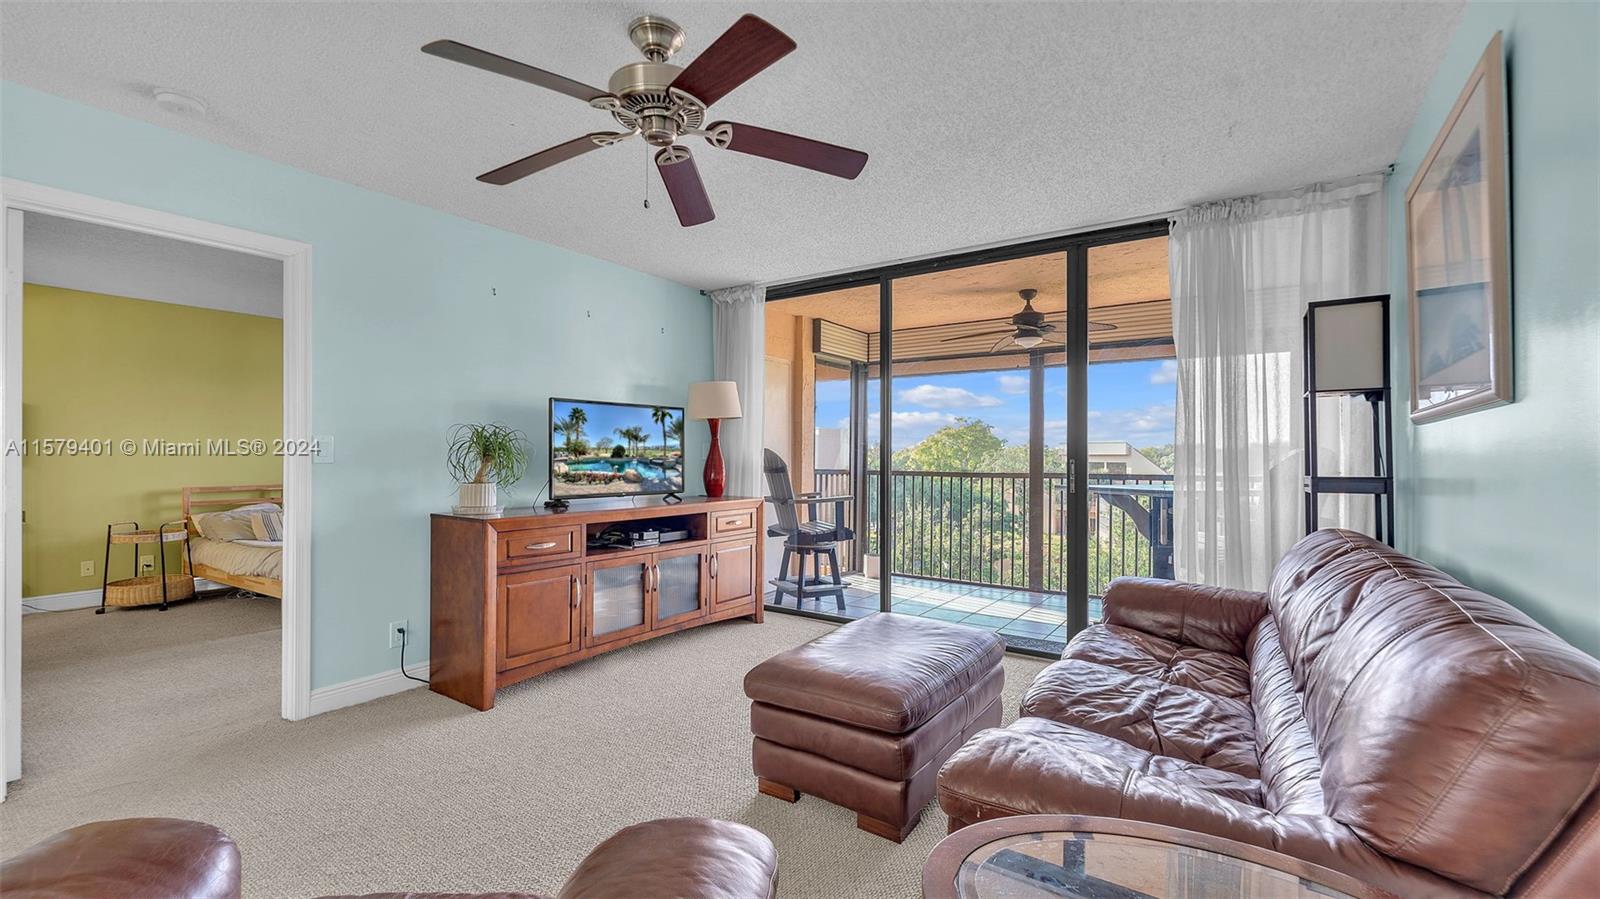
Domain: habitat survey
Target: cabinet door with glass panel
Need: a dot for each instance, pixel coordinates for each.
(616, 602)
(679, 585)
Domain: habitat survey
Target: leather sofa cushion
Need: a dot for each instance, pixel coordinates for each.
(126, 857)
(891, 756)
(1126, 649)
(1214, 618)
(1038, 766)
(701, 858)
(1147, 712)
(1006, 772)
(885, 672)
(1291, 772)
(1454, 732)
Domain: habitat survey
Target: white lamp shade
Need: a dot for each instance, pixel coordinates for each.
(714, 399)
(1350, 347)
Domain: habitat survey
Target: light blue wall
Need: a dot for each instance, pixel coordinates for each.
(420, 320)
(1508, 499)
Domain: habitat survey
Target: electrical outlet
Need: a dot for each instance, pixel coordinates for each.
(85, 569)
(146, 564)
(394, 632)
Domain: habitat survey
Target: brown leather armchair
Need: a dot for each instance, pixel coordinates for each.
(1368, 713)
(688, 858)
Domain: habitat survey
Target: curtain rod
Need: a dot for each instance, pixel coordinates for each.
(1386, 170)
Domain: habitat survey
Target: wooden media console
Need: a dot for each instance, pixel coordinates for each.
(518, 594)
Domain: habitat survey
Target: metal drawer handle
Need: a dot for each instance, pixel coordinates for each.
(550, 545)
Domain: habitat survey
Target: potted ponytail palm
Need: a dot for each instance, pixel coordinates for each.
(482, 457)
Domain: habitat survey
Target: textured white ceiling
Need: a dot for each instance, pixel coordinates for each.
(78, 255)
(985, 122)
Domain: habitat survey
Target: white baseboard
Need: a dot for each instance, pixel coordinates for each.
(60, 602)
(366, 689)
(83, 599)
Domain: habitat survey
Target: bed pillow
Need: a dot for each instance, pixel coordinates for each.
(267, 526)
(233, 524)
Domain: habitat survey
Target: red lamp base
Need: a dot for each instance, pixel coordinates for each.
(716, 479)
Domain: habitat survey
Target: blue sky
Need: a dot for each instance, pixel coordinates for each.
(605, 419)
(1130, 401)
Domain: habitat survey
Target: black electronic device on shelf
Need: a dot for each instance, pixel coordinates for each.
(619, 537)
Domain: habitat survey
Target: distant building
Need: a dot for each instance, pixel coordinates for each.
(1119, 457)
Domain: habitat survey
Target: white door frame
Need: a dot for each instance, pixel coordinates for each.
(17, 197)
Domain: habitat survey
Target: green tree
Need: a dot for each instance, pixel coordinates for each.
(661, 415)
(635, 435)
(576, 419)
(966, 445)
(1164, 456)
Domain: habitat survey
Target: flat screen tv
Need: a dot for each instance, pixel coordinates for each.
(614, 449)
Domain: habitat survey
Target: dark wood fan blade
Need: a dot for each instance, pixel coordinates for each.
(1000, 343)
(804, 152)
(682, 179)
(492, 62)
(746, 48)
(979, 334)
(544, 159)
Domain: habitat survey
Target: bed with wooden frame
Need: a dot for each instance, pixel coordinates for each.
(199, 500)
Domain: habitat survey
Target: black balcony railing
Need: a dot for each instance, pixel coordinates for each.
(973, 527)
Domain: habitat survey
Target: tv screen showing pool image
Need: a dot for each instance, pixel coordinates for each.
(614, 449)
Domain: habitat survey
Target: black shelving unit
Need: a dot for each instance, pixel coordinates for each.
(1377, 389)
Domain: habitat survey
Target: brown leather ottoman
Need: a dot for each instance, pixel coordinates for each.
(863, 717)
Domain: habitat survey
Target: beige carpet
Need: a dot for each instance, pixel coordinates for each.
(145, 713)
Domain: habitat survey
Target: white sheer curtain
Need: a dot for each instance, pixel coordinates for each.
(1242, 271)
(738, 347)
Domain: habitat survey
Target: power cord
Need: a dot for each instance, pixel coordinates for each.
(420, 680)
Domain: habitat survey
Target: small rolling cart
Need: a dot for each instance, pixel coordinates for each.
(151, 589)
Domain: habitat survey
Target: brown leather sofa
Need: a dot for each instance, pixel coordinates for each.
(1368, 713)
(165, 858)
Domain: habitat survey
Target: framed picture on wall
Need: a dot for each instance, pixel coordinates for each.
(1458, 274)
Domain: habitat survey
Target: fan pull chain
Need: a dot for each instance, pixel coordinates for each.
(647, 177)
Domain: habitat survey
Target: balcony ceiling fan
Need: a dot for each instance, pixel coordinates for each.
(1028, 328)
(661, 103)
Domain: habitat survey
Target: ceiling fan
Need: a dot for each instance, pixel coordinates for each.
(661, 103)
(1028, 327)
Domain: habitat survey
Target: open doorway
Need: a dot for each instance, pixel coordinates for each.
(162, 389)
(152, 518)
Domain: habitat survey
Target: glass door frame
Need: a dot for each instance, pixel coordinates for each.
(1076, 247)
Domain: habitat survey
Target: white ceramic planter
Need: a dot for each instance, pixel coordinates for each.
(479, 499)
(869, 566)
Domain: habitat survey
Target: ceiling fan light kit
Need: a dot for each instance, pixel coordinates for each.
(662, 103)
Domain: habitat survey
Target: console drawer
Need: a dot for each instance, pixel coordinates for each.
(551, 544)
(732, 524)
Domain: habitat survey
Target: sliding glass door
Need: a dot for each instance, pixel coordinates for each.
(997, 420)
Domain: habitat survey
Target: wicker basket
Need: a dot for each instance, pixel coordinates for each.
(146, 591)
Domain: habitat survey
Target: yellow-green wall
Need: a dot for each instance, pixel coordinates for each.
(114, 368)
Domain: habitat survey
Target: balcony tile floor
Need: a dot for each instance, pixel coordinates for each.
(1033, 621)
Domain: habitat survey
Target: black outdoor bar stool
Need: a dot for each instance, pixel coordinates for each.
(804, 540)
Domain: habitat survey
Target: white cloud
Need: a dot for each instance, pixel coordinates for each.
(910, 427)
(1014, 384)
(1166, 374)
(1151, 425)
(935, 397)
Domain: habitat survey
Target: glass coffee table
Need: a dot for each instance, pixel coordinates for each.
(1079, 857)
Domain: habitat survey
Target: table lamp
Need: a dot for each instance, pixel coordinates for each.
(714, 401)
